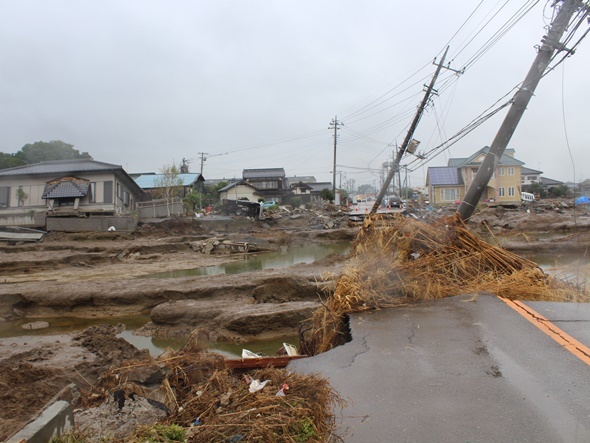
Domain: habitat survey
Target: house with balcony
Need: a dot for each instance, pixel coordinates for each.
(449, 184)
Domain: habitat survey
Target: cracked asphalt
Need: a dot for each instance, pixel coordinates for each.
(457, 371)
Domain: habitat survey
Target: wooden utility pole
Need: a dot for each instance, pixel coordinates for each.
(335, 124)
(551, 44)
(413, 126)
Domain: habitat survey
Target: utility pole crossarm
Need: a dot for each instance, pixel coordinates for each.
(550, 44)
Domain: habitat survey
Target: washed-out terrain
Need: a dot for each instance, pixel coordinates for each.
(97, 276)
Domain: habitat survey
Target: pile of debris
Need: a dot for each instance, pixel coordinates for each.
(207, 402)
(407, 260)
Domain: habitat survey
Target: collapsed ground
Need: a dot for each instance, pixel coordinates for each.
(93, 275)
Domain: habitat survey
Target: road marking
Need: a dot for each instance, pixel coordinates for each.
(567, 341)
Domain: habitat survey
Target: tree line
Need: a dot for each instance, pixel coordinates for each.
(39, 152)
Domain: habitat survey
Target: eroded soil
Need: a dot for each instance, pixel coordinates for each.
(95, 275)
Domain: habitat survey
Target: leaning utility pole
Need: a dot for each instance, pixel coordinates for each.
(413, 126)
(335, 124)
(551, 43)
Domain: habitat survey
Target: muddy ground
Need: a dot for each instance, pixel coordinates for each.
(96, 275)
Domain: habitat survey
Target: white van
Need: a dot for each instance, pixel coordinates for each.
(527, 197)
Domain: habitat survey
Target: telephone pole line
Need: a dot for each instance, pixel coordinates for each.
(205, 156)
(335, 125)
(550, 44)
(413, 126)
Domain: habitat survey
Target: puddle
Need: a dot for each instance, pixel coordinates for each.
(155, 346)
(271, 260)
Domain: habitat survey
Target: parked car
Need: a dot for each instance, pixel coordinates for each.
(392, 202)
(268, 204)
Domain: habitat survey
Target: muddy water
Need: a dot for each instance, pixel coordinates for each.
(155, 346)
(273, 260)
(568, 266)
(282, 259)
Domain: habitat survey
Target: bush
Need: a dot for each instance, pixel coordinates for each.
(295, 202)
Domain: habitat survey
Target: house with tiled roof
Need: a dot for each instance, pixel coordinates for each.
(449, 184)
(78, 188)
(241, 190)
(269, 182)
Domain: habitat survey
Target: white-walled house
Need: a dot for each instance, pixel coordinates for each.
(241, 190)
(81, 187)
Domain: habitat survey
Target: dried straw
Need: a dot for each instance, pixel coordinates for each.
(197, 386)
(408, 260)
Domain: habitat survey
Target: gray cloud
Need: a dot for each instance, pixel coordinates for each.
(145, 83)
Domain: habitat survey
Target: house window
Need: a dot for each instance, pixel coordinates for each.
(511, 191)
(4, 196)
(501, 171)
(450, 194)
(510, 171)
(118, 190)
(92, 193)
(66, 201)
(108, 192)
(501, 192)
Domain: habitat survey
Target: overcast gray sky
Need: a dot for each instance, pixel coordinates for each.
(256, 83)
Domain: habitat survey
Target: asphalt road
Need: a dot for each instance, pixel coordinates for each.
(459, 371)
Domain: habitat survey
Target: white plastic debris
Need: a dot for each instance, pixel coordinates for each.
(290, 350)
(257, 385)
(249, 354)
(112, 229)
(281, 392)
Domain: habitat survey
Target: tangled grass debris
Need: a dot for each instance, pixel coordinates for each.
(406, 260)
(210, 403)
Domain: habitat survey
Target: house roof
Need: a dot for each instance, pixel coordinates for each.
(550, 182)
(151, 181)
(301, 179)
(444, 175)
(264, 173)
(66, 187)
(232, 185)
(320, 186)
(301, 185)
(505, 160)
(529, 171)
(61, 168)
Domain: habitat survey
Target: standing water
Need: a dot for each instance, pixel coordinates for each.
(272, 260)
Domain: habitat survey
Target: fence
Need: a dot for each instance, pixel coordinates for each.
(159, 208)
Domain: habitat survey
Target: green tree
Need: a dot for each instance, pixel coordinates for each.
(168, 185)
(537, 189)
(327, 194)
(45, 151)
(365, 189)
(192, 201)
(559, 191)
(10, 161)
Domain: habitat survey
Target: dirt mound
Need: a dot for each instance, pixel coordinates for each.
(24, 389)
(29, 379)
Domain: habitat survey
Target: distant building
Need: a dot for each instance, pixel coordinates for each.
(69, 186)
(77, 188)
(151, 182)
(449, 184)
(241, 190)
(269, 182)
(529, 176)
